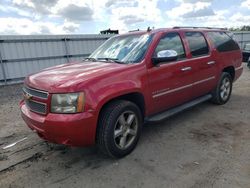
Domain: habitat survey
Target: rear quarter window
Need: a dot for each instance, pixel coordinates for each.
(223, 42)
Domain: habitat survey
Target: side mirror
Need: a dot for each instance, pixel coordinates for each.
(165, 56)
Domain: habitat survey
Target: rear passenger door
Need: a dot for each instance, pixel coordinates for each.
(202, 61)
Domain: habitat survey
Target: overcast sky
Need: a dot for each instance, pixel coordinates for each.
(91, 16)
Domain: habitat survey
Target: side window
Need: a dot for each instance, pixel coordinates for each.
(223, 42)
(171, 41)
(197, 44)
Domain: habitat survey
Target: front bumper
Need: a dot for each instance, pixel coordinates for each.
(68, 129)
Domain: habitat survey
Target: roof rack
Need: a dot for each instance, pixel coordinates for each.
(148, 30)
(189, 27)
(134, 30)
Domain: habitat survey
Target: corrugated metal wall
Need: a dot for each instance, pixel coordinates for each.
(23, 55)
(242, 38)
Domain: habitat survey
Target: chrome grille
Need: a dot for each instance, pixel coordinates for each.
(36, 93)
(32, 103)
(35, 106)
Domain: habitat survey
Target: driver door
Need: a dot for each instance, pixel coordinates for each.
(170, 83)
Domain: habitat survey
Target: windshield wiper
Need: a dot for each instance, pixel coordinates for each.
(111, 59)
(89, 59)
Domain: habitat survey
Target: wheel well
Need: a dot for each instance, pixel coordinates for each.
(135, 97)
(230, 70)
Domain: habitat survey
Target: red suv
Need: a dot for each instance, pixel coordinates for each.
(133, 78)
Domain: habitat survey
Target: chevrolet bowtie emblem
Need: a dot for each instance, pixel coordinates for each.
(27, 96)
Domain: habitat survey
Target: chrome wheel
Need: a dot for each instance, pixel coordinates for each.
(225, 89)
(126, 129)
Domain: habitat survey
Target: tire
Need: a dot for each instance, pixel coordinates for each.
(223, 90)
(119, 128)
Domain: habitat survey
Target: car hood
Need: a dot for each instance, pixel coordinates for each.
(66, 76)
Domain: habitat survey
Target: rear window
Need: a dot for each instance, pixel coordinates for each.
(197, 43)
(223, 42)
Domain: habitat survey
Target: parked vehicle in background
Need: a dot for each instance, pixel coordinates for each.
(144, 76)
(246, 52)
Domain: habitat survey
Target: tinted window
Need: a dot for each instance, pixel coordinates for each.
(197, 44)
(171, 41)
(223, 42)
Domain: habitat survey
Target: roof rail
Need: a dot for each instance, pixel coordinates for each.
(190, 27)
(134, 30)
(148, 30)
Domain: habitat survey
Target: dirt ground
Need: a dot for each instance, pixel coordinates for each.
(206, 146)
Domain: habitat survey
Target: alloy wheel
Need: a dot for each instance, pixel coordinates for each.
(126, 129)
(225, 89)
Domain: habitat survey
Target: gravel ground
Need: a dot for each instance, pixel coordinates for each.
(206, 146)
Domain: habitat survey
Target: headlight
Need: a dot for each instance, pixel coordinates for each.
(67, 103)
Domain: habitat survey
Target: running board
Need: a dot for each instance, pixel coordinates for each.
(166, 114)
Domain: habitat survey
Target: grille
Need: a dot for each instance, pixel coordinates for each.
(36, 106)
(36, 93)
(33, 105)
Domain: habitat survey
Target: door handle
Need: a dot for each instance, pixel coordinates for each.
(211, 62)
(186, 69)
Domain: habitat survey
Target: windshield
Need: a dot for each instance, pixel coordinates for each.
(125, 49)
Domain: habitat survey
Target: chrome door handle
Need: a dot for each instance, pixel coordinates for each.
(186, 68)
(211, 62)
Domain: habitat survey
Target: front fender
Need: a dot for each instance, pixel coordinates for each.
(107, 87)
(105, 94)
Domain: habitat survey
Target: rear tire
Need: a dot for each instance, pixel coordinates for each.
(119, 128)
(223, 90)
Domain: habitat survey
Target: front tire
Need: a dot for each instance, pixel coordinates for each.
(223, 90)
(119, 128)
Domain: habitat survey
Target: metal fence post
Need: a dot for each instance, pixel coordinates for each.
(2, 67)
(66, 49)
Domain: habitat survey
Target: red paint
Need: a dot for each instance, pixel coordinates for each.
(102, 82)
